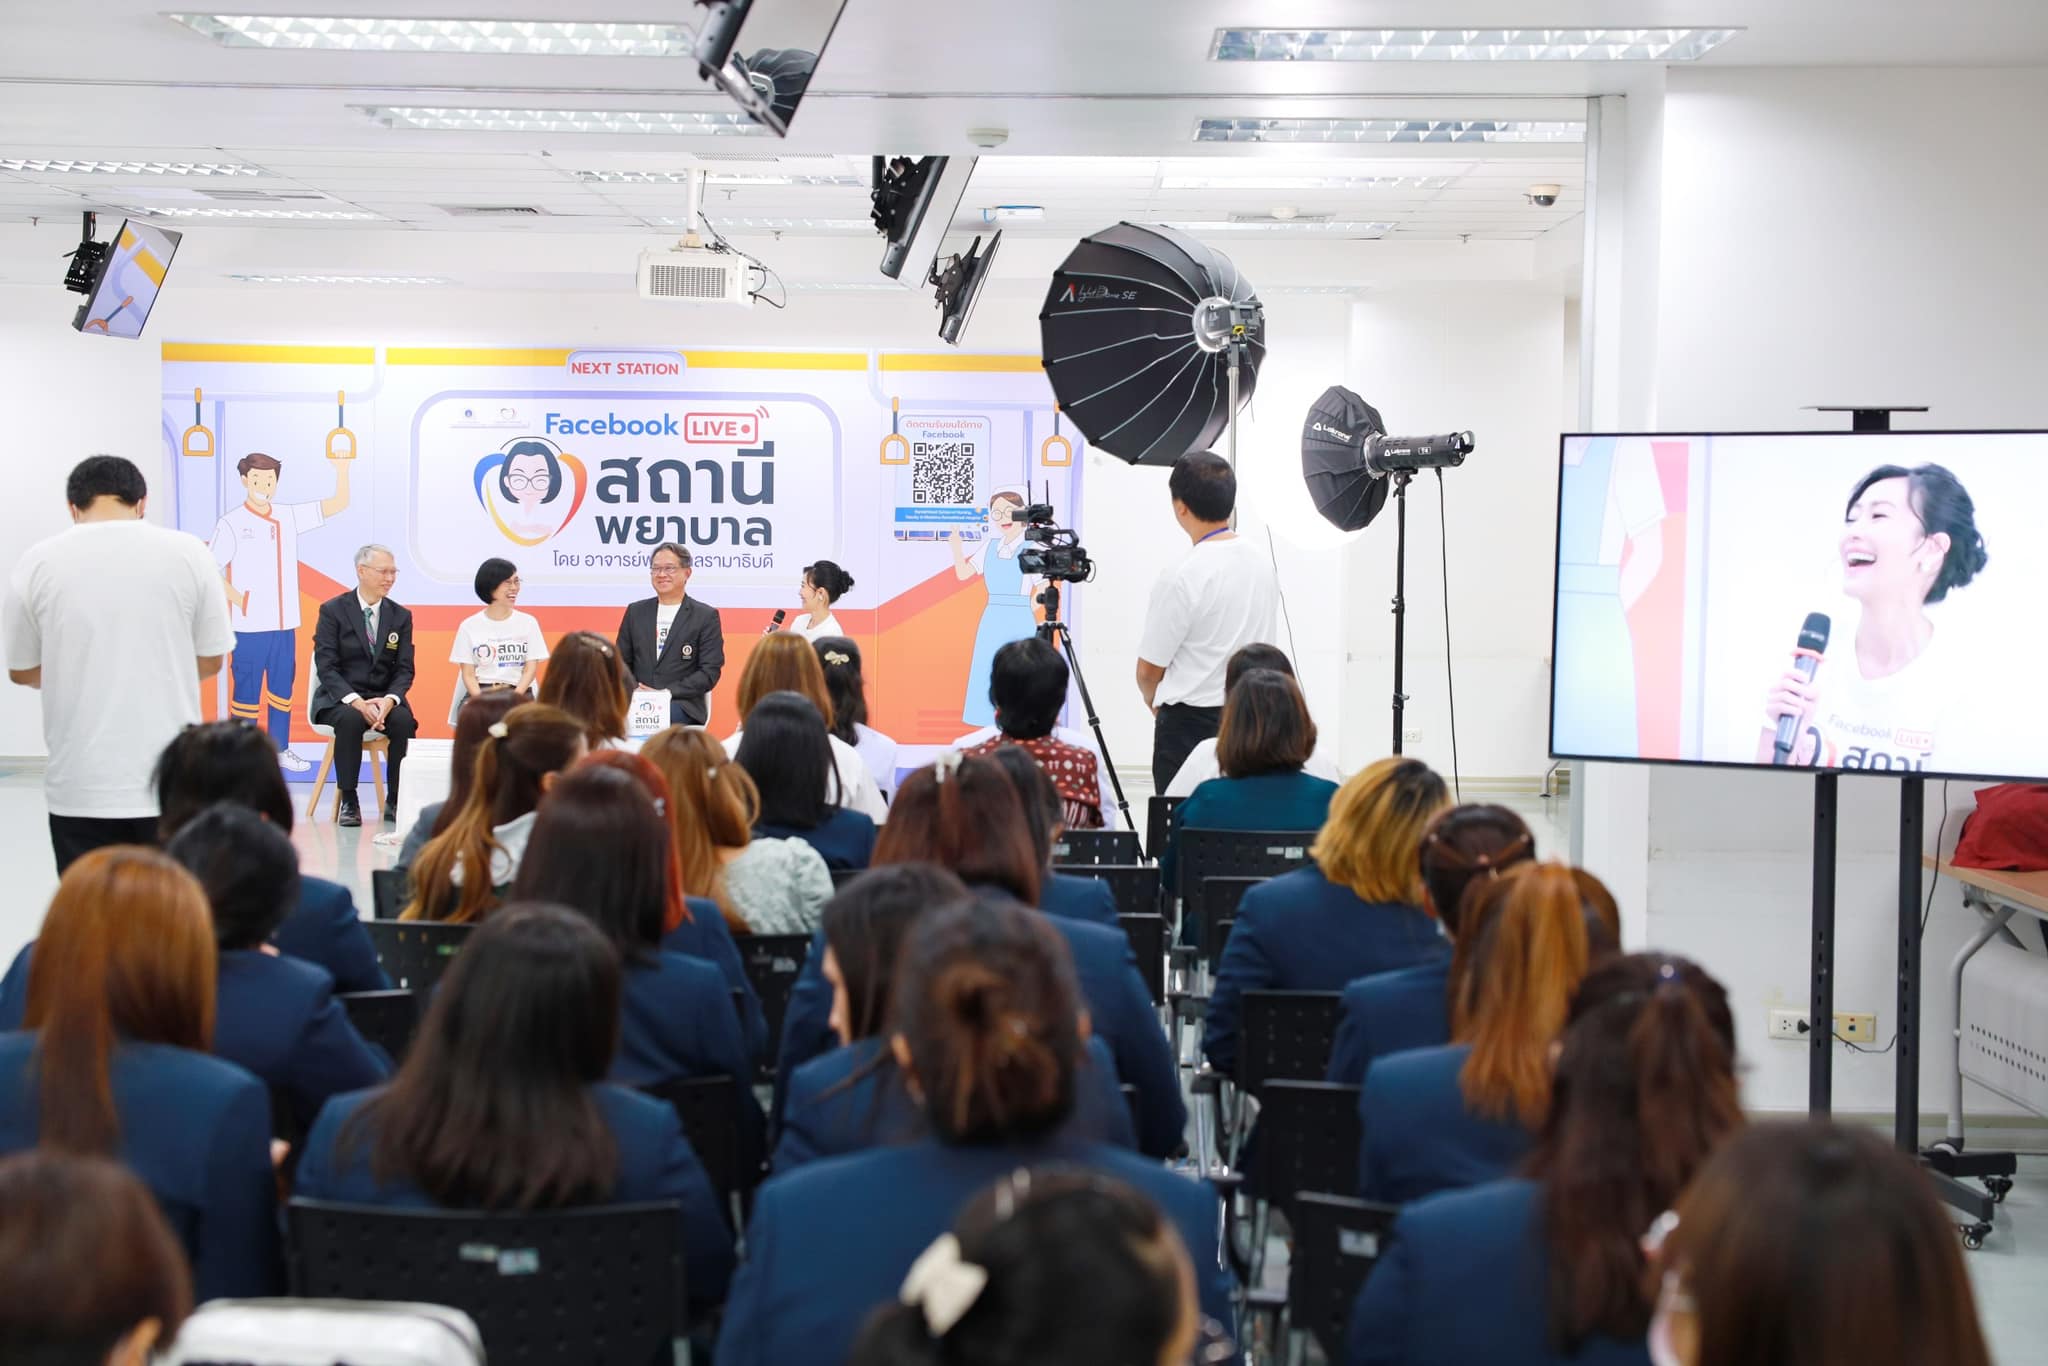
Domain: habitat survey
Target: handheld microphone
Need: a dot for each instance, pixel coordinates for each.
(1385, 455)
(775, 624)
(1813, 643)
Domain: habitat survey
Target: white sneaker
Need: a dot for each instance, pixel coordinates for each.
(293, 763)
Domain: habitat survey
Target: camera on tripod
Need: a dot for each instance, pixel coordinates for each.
(1054, 552)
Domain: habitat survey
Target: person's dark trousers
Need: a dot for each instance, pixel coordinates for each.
(1176, 729)
(72, 837)
(349, 729)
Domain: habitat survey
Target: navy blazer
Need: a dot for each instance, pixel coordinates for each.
(1269, 801)
(705, 935)
(656, 1162)
(675, 1021)
(275, 1016)
(1120, 1012)
(196, 1130)
(1455, 1253)
(1391, 1012)
(690, 661)
(1420, 1138)
(324, 928)
(845, 839)
(1079, 898)
(1302, 932)
(832, 1240)
(853, 1099)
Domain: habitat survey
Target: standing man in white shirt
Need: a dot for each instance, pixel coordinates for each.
(116, 621)
(1219, 599)
(256, 546)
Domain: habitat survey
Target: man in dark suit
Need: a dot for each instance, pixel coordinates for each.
(673, 641)
(362, 656)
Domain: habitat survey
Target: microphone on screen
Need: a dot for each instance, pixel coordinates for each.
(1813, 643)
(776, 625)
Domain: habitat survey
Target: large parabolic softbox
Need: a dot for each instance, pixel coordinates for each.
(1137, 333)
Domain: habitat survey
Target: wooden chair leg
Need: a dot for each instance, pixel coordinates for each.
(376, 757)
(320, 782)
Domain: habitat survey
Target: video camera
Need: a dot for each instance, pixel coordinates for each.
(1054, 552)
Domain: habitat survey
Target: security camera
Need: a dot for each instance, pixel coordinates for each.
(1542, 196)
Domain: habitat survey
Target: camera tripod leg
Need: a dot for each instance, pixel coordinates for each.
(1057, 631)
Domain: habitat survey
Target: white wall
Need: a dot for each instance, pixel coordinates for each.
(1833, 236)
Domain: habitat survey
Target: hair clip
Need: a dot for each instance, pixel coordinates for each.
(948, 764)
(1667, 971)
(1011, 1190)
(498, 731)
(835, 657)
(660, 807)
(943, 1285)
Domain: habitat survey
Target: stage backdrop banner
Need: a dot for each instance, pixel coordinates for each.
(575, 464)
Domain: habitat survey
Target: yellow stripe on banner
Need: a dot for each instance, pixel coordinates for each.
(775, 360)
(285, 355)
(151, 267)
(988, 365)
(514, 356)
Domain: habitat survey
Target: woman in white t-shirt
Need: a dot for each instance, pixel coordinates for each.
(1910, 536)
(498, 648)
(824, 584)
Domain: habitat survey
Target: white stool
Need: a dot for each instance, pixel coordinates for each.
(374, 748)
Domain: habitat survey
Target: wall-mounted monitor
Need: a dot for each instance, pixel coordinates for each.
(126, 287)
(960, 280)
(916, 200)
(763, 53)
(1865, 603)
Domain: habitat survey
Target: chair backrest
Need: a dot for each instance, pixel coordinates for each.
(414, 953)
(1308, 1140)
(384, 1018)
(1287, 1036)
(773, 962)
(1201, 854)
(1133, 886)
(1159, 823)
(842, 876)
(709, 1108)
(1097, 846)
(1131, 1104)
(1336, 1241)
(1216, 909)
(602, 1285)
(389, 888)
(1147, 934)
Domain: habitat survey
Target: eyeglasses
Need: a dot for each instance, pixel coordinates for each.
(666, 571)
(521, 483)
(390, 573)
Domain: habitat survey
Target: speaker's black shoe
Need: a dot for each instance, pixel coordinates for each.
(351, 814)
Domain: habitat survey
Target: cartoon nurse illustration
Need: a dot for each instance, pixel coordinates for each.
(1008, 615)
(530, 477)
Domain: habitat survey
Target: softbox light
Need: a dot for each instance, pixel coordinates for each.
(1138, 333)
(1335, 438)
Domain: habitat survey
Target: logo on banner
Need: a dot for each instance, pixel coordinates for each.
(531, 488)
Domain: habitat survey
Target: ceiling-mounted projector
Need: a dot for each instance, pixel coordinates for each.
(695, 275)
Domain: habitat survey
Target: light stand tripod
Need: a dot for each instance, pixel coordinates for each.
(1400, 479)
(1056, 632)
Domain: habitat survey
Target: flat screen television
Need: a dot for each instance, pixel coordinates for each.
(915, 204)
(1860, 602)
(763, 53)
(126, 287)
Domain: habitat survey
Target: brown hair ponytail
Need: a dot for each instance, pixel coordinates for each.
(1531, 953)
(712, 806)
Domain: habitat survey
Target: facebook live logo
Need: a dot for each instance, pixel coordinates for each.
(722, 429)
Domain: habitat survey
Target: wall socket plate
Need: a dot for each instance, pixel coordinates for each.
(1789, 1024)
(1855, 1028)
(1411, 735)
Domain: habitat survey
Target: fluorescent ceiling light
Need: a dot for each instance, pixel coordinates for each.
(417, 280)
(1325, 226)
(1014, 213)
(189, 211)
(724, 224)
(846, 287)
(497, 37)
(718, 178)
(1386, 130)
(1271, 181)
(1466, 44)
(58, 166)
(720, 123)
(1314, 289)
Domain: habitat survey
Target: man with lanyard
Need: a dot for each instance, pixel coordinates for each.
(256, 546)
(1220, 598)
(672, 642)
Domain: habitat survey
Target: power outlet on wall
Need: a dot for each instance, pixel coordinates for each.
(1789, 1024)
(1411, 735)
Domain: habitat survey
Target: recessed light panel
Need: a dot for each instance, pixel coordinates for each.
(1467, 44)
(60, 166)
(420, 281)
(1280, 181)
(187, 211)
(1386, 130)
(1322, 227)
(493, 37)
(724, 224)
(686, 123)
(719, 178)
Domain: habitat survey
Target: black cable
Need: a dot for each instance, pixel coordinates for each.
(1940, 833)
(1280, 592)
(1450, 685)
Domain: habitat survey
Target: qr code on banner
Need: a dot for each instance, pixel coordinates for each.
(942, 472)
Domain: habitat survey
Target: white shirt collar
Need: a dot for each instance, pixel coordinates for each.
(364, 603)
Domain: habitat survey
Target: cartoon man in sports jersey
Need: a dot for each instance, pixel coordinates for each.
(257, 547)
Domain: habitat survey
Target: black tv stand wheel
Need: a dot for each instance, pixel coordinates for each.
(1999, 1187)
(1974, 1235)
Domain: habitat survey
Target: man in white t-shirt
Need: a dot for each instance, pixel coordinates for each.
(1219, 599)
(116, 621)
(256, 545)
(1200, 765)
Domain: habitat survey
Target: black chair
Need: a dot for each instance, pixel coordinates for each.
(414, 953)
(1216, 910)
(602, 1285)
(773, 963)
(1308, 1140)
(1130, 1102)
(709, 1109)
(1147, 934)
(389, 888)
(1133, 886)
(842, 876)
(1204, 854)
(1096, 846)
(1158, 824)
(1336, 1241)
(384, 1018)
(1287, 1036)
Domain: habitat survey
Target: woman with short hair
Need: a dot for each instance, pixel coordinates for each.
(499, 649)
(1266, 738)
(788, 754)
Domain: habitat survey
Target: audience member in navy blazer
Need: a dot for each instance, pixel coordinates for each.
(231, 761)
(502, 1103)
(1351, 913)
(120, 1010)
(1061, 894)
(963, 814)
(987, 1027)
(1441, 1118)
(787, 751)
(1390, 1012)
(1266, 738)
(601, 848)
(1550, 1270)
